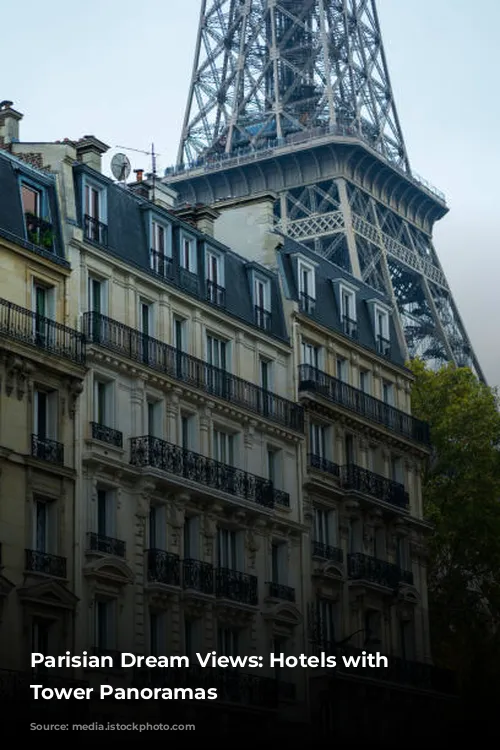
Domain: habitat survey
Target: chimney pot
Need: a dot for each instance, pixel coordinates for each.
(139, 173)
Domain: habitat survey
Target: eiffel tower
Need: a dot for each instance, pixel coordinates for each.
(293, 97)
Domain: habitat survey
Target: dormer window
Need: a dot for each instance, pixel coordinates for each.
(262, 302)
(39, 230)
(307, 287)
(381, 327)
(188, 265)
(348, 312)
(161, 248)
(214, 275)
(94, 213)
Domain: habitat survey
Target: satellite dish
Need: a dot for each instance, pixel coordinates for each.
(120, 166)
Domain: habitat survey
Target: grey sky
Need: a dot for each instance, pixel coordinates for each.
(120, 70)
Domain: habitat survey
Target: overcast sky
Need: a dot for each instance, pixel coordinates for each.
(120, 70)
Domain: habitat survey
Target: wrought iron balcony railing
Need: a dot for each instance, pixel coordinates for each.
(279, 591)
(350, 327)
(198, 576)
(316, 381)
(216, 294)
(262, 318)
(161, 264)
(95, 231)
(282, 498)
(355, 478)
(189, 281)
(163, 567)
(383, 346)
(39, 232)
(323, 464)
(368, 568)
(236, 586)
(47, 450)
(307, 304)
(158, 454)
(106, 544)
(107, 434)
(28, 327)
(42, 562)
(327, 552)
(130, 343)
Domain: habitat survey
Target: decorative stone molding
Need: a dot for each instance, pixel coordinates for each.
(249, 434)
(145, 491)
(354, 359)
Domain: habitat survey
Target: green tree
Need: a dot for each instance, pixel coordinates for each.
(461, 491)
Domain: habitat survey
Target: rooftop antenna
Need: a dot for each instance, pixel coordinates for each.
(153, 156)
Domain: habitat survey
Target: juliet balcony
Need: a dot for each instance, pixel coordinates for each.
(95, 231)
(27, 327)
(47, 450)
(156, 355)
(352, 399)
(236, 586)
(163, 567)
(45, 564)
(213, 475)
(362, 567)
(106, 434)
(106, 545)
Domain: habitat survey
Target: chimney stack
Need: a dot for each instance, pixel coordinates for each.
(89, 151)
(9, 123)
(201, 216)
(139, 173)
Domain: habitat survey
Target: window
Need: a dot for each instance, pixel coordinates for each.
(105, 629)
(32, 200)
(325, 530)
(157, 627)
(262, 303)
(214, 271)
(93, 202)
(44, 309)
(403, 554)
(356, 536)
(265, 374)
(397, 469)
(271, 464)
(44, 526)
(223, 444)
(103, 403)
(188, 253)
(350, 457)
(307, 288)
(227, 641)
(216, 352)
(97, 295)
(45, 414)
(161, 248)
(191, 537)
(106, 509)
(364, 381)
(317, 440)
(279, 562)
(388, 393)
(379, 547)
(157, 527)
(348, 312)
(228, 549)
(94, 212)
(187, 431)
(382, 332)
(311, 354)
(146, 318)
(328, 615)
(40, 640)
(154, 415)
(180, 334)
(342, 370)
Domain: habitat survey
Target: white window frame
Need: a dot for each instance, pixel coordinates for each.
(151, 315)
(212, 254)
(110, 512)
(325, 526)
(212, 340)
(156, 224)
(310, 270)
(183, 323)
(266, 287)
(88, 182)
(51, 414)
(368, 381)
(103, 291)
(349, 294)
(109, 406)
(154, 408)
(318, 439)
(229, 549)
(50, 298)
(388, 387)
(50, 525)
(223, 446)
(157, 527)
(311, 354)
(192, 260)
(342, 369)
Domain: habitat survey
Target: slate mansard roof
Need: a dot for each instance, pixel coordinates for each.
(13, 225)
(128, 238)
(326, 311)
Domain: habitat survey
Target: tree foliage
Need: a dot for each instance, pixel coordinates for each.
(461, 490)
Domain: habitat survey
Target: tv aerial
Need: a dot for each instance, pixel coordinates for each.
(120, 167)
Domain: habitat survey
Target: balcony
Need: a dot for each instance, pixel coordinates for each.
(198, 576)
(350, 327)
(383, 346)
(39, 232)
(307, 304)
(215, 294)
(42, 562)
(158, 454)
(327, 552)
(106, 435)
(282, 498)
(361, 480)
(189, 281)
(236, 586)
(322, 464)
(161, 264)
(163, 567)
(279, 591)
(130, 343)
(35, 330)
(47, 450)
(107, 545)
(316, 381)
(95, 231)
(362, 567)
(263, 318)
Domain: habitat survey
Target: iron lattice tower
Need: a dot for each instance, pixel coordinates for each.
(293, 97)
